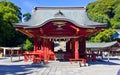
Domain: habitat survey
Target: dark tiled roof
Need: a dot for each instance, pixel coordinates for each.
(42, 15)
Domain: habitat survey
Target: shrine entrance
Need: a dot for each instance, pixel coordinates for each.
(59, 33)
(60, 49)
(63, 49)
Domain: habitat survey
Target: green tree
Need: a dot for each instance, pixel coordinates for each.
(115, 21)
(26, 16)
(105, 10)
(103, 36)
(28, 45)
(9, 13)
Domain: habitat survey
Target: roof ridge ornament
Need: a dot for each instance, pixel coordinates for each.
(59, 14)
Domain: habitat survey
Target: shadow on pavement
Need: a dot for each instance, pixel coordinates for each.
(18, 69)
(103, 63)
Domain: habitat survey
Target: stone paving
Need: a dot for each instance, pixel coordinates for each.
(58, 68)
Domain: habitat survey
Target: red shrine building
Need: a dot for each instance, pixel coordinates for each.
(59, 32)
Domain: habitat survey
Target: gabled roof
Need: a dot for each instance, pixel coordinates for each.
(76, 15)
(100, 45)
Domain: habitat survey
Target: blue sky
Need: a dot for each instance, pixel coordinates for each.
(28, 5)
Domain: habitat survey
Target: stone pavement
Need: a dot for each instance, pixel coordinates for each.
(58, 68)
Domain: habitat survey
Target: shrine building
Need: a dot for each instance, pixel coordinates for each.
(59, 32)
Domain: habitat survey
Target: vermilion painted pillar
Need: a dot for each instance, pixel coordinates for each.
(49, 45)
(84, 44)
(68, 46)
(51, 51)
(42, 43)
(35, 44)
(44, 49)
(73, 48)
(76, 49)
(82, 49)
(39, 44)
(47, 49)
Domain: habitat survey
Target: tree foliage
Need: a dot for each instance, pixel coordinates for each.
(10, 13)
(103, 36)
(105, 11)
(28, 45)
(26, 16)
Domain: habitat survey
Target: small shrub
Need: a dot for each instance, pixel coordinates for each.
(28, 46)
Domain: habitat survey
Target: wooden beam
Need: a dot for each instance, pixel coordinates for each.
(25, 32)
(57, 37)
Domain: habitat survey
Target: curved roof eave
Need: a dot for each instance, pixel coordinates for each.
(78, 16)
(53, 19)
